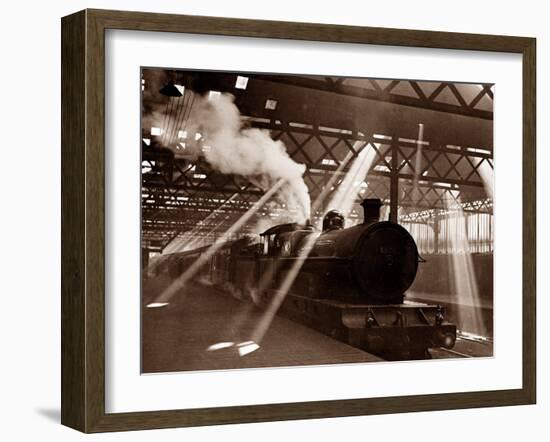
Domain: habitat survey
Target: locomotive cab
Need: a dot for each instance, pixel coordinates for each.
(285, 240)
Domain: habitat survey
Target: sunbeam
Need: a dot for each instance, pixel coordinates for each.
(464, 277)
(416, 196)
(283, 289)
(182, 243)
(348, 189)
(205, 256)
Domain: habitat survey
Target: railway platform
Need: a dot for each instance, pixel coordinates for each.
(203, 328)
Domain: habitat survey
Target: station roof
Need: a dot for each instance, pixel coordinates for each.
(320, 120)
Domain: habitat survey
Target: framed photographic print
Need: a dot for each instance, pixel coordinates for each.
(269, 220)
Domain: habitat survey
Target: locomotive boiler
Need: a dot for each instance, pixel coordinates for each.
(374, 262)
(349, 283)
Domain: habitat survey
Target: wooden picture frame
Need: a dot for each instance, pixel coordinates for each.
(83, 220)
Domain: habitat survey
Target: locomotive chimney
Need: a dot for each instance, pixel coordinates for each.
(371, 206)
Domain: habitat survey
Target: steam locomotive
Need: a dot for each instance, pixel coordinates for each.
(348, 283)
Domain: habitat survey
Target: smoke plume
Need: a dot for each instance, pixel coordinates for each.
(232, 148)
(251, 153)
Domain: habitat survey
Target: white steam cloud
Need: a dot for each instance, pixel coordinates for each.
(231, 148)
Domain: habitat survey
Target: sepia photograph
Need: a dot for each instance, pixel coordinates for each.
(298, 220)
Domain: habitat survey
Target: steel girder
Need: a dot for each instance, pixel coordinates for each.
(174, 189)
(390, 91)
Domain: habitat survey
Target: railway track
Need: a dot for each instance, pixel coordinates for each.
(467, 346)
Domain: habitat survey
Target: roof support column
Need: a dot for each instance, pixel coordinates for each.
(394, 182)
